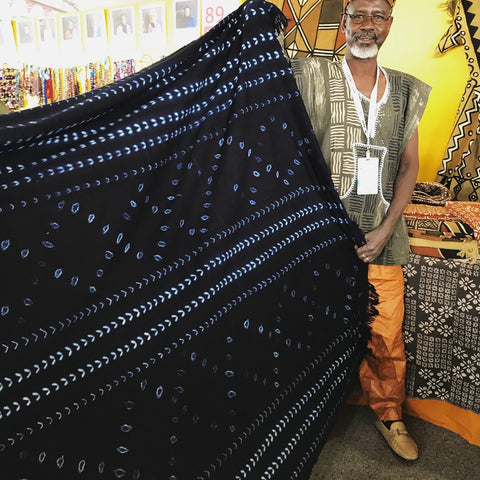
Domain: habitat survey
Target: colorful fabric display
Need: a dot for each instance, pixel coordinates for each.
(443, 247)
(469, 212)
(422, 211)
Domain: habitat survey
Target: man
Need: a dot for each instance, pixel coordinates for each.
(365, 118)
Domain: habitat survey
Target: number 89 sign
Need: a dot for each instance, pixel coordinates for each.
(216, 10)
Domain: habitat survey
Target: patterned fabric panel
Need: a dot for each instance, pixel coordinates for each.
(442, 331)
(421, 211)
(439, 228)
(431, 193)
(460, 170)
(442, 246)
(313, 28)
(469, 212)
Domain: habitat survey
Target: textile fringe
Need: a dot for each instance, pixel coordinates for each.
(280, 21)
(372, 312)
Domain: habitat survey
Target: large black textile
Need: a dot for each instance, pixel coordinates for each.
(180, 298)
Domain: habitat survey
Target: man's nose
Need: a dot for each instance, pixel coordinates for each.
(368, 22)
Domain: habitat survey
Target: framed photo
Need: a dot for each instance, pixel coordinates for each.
(25, 33)
(95, 25)
(7, 40)
(186, 21)
(95, 32)
(70, 34)
(70, 25)
(153, 26)
(26, 39)
(122, 28)
(186, 14)
(47, 34)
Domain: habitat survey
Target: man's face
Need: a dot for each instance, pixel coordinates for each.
(366, 37)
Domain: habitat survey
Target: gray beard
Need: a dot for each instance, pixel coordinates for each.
(364, 53)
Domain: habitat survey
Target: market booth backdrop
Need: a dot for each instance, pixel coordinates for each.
(416, 31)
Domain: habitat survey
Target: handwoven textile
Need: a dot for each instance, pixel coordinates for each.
(460, 170)
(180, 297)
(443, 246)
(441, 228)
(431, 193)
(423, 211)
(469, 212)
(442, 331)
(442, 239)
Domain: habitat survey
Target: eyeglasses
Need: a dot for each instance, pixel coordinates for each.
(359, 18)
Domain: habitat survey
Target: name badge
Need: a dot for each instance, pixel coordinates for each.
(367, 175)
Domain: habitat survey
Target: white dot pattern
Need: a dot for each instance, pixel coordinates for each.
(180, 297)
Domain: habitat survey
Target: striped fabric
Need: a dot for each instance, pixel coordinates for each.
(443, 246)
(441, 228)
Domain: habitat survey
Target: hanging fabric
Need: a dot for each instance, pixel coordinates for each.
(313, 28)
(180, 295)
(460, 171)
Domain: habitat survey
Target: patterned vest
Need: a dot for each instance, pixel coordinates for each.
(330, 105)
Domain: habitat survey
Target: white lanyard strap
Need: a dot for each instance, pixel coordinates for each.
(368, 128)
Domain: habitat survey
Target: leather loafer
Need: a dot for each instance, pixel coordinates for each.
(399, 440)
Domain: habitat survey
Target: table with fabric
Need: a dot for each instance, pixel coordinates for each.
(442, 343)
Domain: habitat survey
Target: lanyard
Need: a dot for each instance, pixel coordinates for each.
(368, 128)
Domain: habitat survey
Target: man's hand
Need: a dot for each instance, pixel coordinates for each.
(376, 241)
(404, 184)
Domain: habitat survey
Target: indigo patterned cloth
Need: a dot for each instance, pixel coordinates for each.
(180, 297)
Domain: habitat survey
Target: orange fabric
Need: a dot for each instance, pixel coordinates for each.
(443, 414)
(420, 211)
(463, 422)
(469, 212)
(382, 372)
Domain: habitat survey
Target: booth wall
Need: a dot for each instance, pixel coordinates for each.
(410, 47)
(417, 28)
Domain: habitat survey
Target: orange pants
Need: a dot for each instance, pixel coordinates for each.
(382, 372)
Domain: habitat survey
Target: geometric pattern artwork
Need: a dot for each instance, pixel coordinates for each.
(460, 170)
(313, 28)
(442, 331)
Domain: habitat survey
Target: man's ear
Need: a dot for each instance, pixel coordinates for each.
(343, 19)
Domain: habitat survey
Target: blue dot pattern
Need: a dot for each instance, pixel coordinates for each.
(180, 298)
